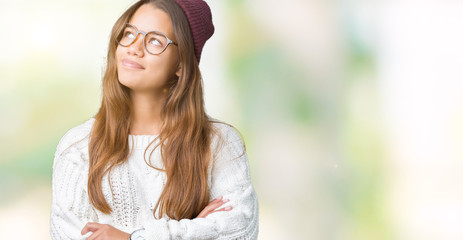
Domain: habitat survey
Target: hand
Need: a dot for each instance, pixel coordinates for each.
(212, 206)
(104, 232)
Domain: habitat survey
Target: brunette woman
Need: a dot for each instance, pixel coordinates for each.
(151, 164)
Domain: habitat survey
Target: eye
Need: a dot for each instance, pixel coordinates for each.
(154, 41)
(130, 35)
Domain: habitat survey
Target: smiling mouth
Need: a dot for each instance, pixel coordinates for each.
(131, 64)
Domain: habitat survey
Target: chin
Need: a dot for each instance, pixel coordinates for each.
(128, 80)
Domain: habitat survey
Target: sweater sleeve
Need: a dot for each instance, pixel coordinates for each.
(70, 208)
(230, 179)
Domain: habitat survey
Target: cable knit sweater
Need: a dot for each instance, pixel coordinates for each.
(137, 187)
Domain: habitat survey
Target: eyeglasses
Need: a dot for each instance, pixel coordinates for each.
(154, 42)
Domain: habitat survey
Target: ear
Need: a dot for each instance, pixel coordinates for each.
(179, 69)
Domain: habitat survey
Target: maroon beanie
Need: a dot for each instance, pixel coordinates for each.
(200, 20)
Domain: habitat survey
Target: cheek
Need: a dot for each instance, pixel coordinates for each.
(118, 53)
(162, 68)
(171, 63)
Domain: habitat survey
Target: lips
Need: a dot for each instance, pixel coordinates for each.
(131, 64)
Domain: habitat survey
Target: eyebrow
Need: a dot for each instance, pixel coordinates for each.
(145, 31)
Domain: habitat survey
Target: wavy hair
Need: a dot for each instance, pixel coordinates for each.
(185, 136)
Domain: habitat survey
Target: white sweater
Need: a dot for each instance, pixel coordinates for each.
(137, 187)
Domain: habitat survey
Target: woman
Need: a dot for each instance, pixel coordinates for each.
(107, 186)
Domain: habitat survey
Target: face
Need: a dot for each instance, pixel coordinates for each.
(136, 68)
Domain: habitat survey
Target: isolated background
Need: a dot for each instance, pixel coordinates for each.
(352, 111)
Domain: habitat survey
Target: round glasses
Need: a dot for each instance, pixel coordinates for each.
(154, 42)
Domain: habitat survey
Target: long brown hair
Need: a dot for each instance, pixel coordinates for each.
(185, 136)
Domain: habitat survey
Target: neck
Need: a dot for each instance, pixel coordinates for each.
(146, 113)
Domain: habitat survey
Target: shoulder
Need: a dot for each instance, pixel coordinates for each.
(223, 131)
(226, 138)
(229, 157)
(77, 135)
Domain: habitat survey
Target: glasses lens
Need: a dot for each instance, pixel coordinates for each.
(128, 36)
(155, 42)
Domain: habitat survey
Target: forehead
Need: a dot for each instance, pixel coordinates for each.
(149, 18)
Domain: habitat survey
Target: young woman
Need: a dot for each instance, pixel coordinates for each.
(149, 163)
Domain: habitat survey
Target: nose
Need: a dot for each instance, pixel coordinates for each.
(137, 47)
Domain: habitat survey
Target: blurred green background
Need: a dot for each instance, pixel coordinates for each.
(351, 110)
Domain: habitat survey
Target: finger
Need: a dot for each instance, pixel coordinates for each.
(211, 207)
(214, 205)
(228, 208)
(219, 210)
(216, 199)
(205, 211)
(90, 227)
(94, 236)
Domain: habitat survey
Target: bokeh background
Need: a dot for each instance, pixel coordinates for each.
(351, 110)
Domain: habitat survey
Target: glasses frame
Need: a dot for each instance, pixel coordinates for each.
(169, 41)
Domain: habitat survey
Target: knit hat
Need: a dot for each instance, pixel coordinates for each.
(199, 17)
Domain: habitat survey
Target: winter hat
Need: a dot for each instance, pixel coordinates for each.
(199, 17)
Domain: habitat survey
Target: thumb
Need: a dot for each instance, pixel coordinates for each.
(90, 227)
